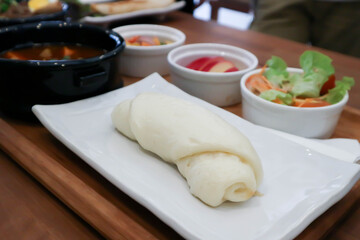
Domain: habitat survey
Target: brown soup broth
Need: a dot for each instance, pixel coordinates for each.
(53, 52)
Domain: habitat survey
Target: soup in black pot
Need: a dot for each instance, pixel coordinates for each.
(53, 52)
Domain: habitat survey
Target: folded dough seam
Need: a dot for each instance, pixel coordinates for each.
(218, 162)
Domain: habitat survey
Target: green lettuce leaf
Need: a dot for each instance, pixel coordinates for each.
(272, 94)
(308, 85)
(317, 69)
(315, 62)
(276, 73)
(5, 5)
(338, 92)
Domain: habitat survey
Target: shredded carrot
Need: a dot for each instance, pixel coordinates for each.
(264, 84)
(312, 102)
(146, 44)
(143, 41)
(257, 83)
(272, 87)
(277, 100)
(302, 102)
(156, 41)
(267, 81)
(263, 69)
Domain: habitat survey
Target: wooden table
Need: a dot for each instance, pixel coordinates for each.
(47, 192)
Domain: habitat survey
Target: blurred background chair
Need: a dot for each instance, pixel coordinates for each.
(231, 13)
(238, 5)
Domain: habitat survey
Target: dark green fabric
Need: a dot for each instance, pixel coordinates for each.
(330, 25)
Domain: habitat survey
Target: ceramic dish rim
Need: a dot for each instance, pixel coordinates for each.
(213, 75)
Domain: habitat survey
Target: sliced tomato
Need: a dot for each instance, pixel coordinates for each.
(329, 84)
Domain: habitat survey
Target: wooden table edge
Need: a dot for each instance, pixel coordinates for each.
(69, 188)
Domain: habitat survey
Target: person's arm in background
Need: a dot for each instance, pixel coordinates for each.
(283, 18)
(329, 24)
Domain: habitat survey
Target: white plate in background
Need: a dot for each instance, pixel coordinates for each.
(299, 183)
(106, 20)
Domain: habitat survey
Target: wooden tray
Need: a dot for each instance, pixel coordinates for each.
(106, 208)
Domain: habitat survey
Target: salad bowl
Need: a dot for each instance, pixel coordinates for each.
(305, 102)
(311, 122)
(45, 16)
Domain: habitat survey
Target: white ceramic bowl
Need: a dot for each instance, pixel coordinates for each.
(221, 89)
(139, 61)
(313, 122)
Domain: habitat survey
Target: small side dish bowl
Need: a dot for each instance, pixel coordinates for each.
(54, 16)
(140, 61)
(25, 83)
(218, 88)
(310, 122)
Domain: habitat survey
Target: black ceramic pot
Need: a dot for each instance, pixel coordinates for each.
(26, 83)
(61, 15)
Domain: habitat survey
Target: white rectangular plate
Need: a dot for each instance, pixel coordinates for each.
(105, 20)
(299, 183)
